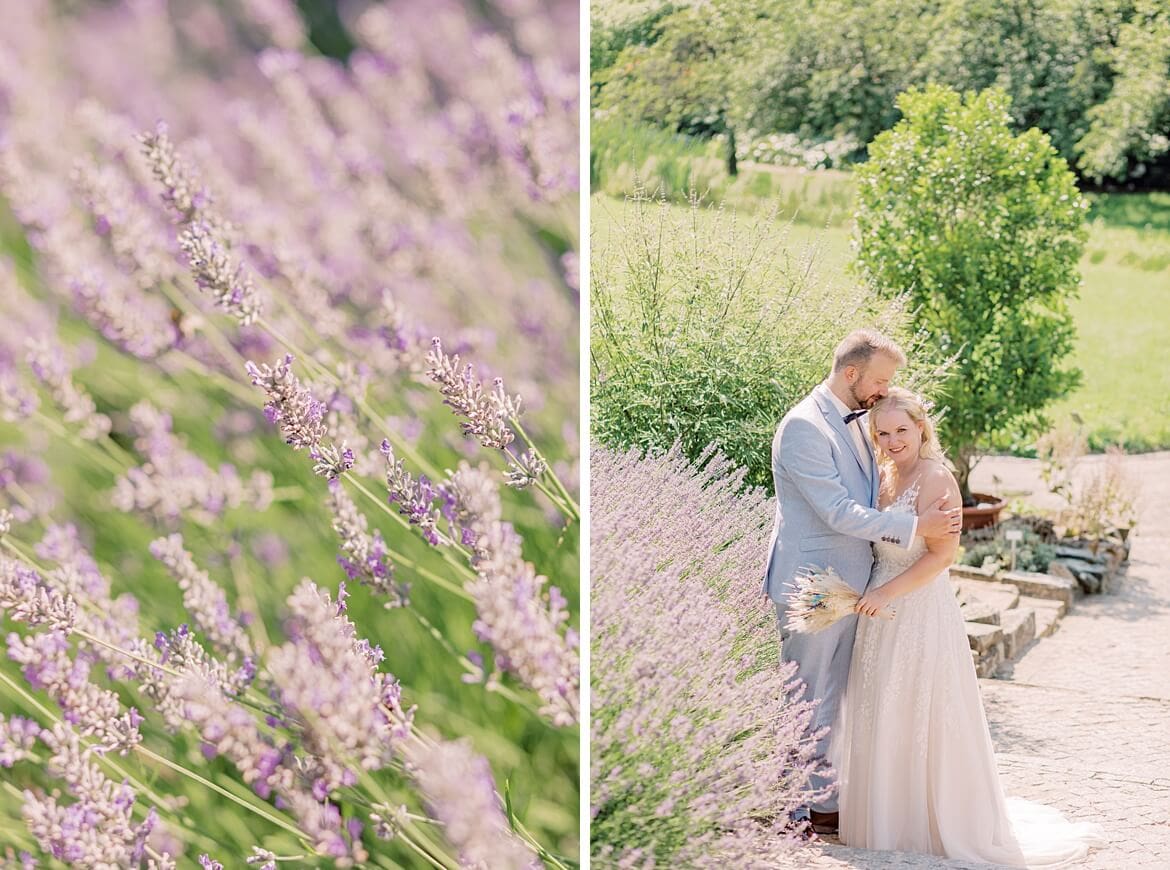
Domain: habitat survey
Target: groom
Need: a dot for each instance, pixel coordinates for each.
(826, 478)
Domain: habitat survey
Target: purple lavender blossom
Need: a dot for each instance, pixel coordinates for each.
(228, 282)
(328, 677)
(18, 736)
(182, 190)
(138, 324)
(27, 599)
(488, 414)
(460, 791)
(228, 729)
(290, 405)
(181, 653)
(265, 859)
(95, 711)
(95, 831)
(415, 498)
(48, 364)
(173, 480)
(364, 557)
(17, 401)
(523, 626)
(203, 599)
(113, 620)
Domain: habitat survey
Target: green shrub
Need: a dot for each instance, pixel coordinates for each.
(983, 229)
(1032, 554)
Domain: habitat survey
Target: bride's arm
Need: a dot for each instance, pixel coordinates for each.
(939, 555)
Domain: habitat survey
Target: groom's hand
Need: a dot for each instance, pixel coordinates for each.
(939, 520)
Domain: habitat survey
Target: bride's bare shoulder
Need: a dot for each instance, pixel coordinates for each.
(936, 480)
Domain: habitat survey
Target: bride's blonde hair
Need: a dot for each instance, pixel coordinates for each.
(918, 409)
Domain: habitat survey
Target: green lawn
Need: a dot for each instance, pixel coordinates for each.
(1122, 317)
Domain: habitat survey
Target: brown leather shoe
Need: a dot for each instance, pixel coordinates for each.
(824, 823)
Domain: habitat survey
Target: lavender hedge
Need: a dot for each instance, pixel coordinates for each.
(699, 750)
(288, 451)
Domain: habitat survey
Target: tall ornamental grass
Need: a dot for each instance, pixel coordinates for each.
(288, 451)
(699, 748)
(707, 327)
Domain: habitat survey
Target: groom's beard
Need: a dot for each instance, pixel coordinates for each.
(858, 404)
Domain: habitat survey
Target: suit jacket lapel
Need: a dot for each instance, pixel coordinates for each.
(837, 422)
(874, 476)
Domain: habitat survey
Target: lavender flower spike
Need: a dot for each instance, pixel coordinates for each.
(526, 469)
(290, 405)
(461, 793)
(215, 272)
(487, 413)
(95, 831)
(181, 187)
(415, 497)
(94, 710)
(27, 599)
(364, 557)
(521, 624)
(203, 599)
(328, 676)
(48, 363)
(17, 738)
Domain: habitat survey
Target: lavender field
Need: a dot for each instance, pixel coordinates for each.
(289, 523)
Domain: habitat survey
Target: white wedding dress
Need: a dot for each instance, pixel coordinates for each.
(916, 767)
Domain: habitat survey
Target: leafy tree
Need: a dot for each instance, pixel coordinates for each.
(983, 228)
(686, 79)
(1132, 127)
(1048, 55)
(606, 42)
(832, 68)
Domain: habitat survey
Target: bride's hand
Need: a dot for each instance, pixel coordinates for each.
(872, 603)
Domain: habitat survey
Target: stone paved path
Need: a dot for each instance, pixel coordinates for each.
(1082, 720)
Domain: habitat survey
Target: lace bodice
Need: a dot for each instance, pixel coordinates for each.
(890, 560)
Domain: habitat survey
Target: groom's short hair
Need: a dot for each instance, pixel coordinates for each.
(859, 348)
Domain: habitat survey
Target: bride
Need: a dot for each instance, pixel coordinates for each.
(915, 762)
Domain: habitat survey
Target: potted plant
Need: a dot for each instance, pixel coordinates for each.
(981, 229)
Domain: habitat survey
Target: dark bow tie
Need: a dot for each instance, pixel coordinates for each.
(853, 415)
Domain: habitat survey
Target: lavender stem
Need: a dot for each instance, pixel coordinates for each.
(569, 501)
(218, 789)
(61, 432)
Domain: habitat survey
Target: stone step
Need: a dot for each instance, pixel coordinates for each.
(988, 661)
(1043, 586)
(974, 610)
(1019, 629)
(1001, 596)
(970, 572)
(1048, 613)
(983, 637)
(1092, 578)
